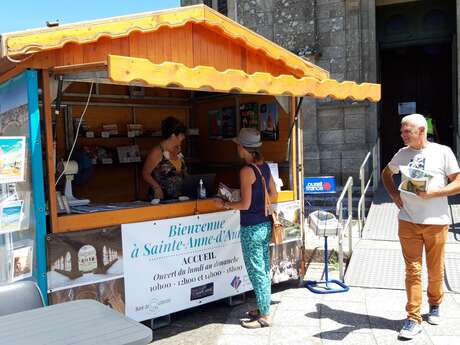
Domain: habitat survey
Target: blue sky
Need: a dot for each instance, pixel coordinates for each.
(29, 14)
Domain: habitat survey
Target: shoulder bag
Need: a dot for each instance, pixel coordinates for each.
(277, 227)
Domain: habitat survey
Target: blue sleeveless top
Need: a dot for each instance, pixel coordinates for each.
(256, 212)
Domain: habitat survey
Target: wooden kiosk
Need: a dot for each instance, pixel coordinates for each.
(189, 63)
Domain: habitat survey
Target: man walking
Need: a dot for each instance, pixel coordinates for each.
(423, 216)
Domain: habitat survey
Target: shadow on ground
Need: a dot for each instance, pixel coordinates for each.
(348, 322)
(216, 313)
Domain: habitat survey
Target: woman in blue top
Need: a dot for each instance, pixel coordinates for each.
(256, 226)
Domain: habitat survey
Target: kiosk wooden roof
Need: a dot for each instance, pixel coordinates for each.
(191, 47)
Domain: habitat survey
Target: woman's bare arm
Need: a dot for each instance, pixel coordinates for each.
(151, 162)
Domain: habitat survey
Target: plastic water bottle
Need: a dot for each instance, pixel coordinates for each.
(201, 190)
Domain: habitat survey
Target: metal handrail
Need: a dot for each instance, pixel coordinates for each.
(347, 189)
(374, 177)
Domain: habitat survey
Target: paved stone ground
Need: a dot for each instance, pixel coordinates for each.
(361, 316)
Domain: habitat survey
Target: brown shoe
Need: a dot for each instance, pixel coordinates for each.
(257, 323)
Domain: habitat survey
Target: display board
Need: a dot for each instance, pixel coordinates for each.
(175, 264)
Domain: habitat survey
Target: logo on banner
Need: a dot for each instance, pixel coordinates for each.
(236, 282)
(313, 185)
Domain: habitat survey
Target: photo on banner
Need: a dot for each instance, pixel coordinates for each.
(175, 264)
(289, 214)
(285, 261)
(110, 293)
(84, 257)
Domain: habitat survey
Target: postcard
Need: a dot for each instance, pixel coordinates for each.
(12, 159)
(11, 216)
(128, 154)
(214, 124)
(22, 263)
(249, 115)
(269, 121)
(229, 122)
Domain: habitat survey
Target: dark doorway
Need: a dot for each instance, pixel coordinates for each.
(420, 74)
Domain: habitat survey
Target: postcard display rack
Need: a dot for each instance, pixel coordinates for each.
(22, 207)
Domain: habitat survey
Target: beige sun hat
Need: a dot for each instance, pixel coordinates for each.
(248, 137)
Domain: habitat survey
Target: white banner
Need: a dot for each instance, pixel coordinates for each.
(178, 263)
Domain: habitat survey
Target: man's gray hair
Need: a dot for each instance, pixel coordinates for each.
(416, 120)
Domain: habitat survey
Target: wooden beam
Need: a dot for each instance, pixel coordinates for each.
(12, 73)
(83, 67)
(47, 114)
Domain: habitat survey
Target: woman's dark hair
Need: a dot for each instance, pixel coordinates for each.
(255, 153)
(170, 126)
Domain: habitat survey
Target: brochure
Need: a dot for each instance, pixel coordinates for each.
(413, 180)
(227, 193)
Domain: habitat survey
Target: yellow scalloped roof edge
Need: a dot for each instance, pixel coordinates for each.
(32, 41)
(129, 70)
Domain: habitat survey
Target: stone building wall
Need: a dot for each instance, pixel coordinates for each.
(338, 36)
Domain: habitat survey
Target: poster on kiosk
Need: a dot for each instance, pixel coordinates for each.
(175, 264)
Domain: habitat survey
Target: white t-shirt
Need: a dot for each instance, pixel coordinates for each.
(441, 162)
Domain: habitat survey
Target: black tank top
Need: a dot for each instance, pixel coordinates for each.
(256, 212)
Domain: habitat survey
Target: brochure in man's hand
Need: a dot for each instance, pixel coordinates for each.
(413, 180)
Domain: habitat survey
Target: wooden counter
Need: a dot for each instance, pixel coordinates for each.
(76, 222)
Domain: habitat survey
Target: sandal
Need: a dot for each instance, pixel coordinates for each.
(257, 323)
(253, 314)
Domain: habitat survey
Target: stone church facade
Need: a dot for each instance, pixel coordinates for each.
(341, 37)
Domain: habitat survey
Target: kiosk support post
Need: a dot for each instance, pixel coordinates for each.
(37, 182)
(50, 150)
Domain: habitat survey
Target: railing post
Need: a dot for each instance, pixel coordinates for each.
(340, 257)
(362, 178)
(348, 188)
(375, 165)
(350, 218)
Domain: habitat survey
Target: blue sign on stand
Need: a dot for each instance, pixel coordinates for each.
(319, 185)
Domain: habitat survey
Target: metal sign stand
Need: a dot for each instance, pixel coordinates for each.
(326, 286)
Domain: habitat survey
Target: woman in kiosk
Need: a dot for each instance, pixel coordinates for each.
(256, 226)
(163, 169)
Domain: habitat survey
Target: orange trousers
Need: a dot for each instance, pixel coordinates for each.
(413, 238)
